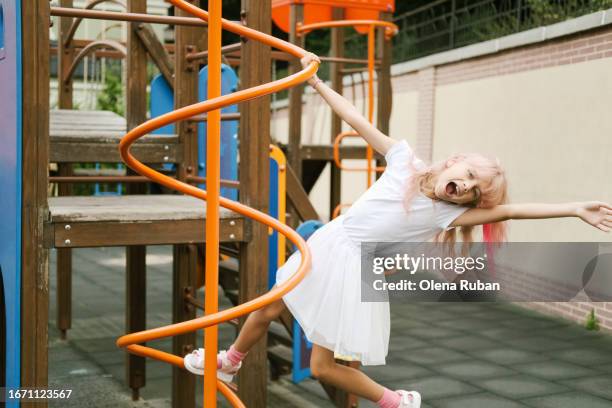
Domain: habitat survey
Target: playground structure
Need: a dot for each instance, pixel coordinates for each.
(136, 220)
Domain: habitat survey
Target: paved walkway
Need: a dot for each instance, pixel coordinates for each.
(457, 355)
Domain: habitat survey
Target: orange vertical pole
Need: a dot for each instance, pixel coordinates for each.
(369, 151)
(213, 170)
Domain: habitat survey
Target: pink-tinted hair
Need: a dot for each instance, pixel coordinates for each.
(493, 191)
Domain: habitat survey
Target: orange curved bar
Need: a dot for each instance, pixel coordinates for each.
(132, 342)
(390, 28)
(338, 159)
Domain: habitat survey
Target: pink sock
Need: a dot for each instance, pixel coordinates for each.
(235, 356)
(390, 399)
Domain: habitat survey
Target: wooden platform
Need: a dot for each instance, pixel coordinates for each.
(93, 136)
(133, 220)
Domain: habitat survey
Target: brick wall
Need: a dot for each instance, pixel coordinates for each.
(566, 50)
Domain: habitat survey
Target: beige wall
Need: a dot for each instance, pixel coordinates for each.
(550, 127)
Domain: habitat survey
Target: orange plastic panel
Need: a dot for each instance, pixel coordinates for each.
(312, 14)
(316, 11)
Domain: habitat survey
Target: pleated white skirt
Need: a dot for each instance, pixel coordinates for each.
(327, 303)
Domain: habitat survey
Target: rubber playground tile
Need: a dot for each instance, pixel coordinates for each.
(587, 357)
(397, 371)
(527, 323)
(521, 386)
(504, 333)
(401, 342)
(602, 343)
(432, 355)
(432, 388)
(568, 400)
(407, 325)
(465, 325)
(607, 368)
(434, 314)
(472, 370)
(597, 385)
(574, 332)
(477, 401)
(554, 370)
(433, 332)
(538, 343)
(466, 343)
(508, 356)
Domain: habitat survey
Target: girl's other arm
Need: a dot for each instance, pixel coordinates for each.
(378, 140)
(595, 213)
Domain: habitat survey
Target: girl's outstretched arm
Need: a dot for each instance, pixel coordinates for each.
(596, 213)
(378, 140)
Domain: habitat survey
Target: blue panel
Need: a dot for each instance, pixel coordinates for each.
(273, 212)
(10, 183)
(302, 348)
(162, 101)
(229, 131)
(1, 28)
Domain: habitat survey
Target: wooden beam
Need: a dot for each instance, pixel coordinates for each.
(136, 285)
(64, 256)
(295, 94)
(35, 158)
(156, 50)
(187, 40)
(254, 191)
(116, 233)
(385, 95)
(65, 58)
(337, 51)
(298, 197)
(384, 91)
(107, 152)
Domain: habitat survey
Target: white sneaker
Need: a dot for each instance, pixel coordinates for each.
(194, 363)
(410, 399)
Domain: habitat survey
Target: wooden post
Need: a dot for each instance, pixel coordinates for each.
(136, 113)
(384, 91)
(337, 50)
(35, 158)
(254, 191)
(64, 255)
(295, 94)
(187, 39)
(183, 279)
(65, 57)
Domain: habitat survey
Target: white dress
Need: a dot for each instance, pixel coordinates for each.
(327, 303)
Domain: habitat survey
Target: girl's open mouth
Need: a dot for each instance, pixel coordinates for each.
(451, 188)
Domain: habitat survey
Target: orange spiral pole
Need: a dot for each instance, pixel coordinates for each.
(133, 342)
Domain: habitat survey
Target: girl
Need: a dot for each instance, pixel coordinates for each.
(410, 202)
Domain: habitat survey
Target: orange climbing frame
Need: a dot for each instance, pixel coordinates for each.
(133, 342)
(390, 30)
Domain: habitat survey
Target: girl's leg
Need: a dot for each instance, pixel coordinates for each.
(323, 366)
(256, 325)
